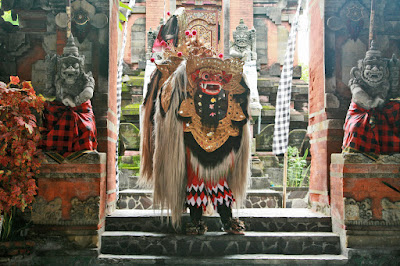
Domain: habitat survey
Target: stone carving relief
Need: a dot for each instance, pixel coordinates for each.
(369, 81)
(206, 24)
(44, 212)
(83, 14)
(244, 43)
(86, 211)
(390, 211)
(357, 211)
(353, 16)
(66, 78)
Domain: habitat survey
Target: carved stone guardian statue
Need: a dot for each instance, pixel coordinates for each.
(244, 43)
(69, 119)
(373, 119)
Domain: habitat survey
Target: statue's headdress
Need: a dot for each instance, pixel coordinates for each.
(71, 53)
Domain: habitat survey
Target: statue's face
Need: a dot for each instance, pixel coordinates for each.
(210, 81)
(242, 39)
(70, 70)
(374, 70)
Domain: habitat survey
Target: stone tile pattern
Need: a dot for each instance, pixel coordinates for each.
(218, 244)
(264, 224)
(142, 201)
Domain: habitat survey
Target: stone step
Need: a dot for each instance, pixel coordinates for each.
(141, 199)
(127, 180)
(219, 243)
(264, 220)
(247, 259)
(259, 182)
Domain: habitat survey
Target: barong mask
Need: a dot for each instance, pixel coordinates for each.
(211, 104)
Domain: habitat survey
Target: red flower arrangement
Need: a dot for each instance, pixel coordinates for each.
(20, 158)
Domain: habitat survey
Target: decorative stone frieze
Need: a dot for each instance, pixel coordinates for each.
(44, 212)
(390, 211)
(86, 211)
(358, 210)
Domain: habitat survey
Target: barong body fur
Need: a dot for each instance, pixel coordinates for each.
(169, 176)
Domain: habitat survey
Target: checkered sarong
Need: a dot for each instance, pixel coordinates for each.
(282, 113)
(68, 129)
(372, 131)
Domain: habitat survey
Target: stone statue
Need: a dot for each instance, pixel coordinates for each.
(72, 86)
(369, 82)
(69, 122)
(244, 43)
(372, 121)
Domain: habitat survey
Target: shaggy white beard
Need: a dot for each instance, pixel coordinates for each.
(169, 164)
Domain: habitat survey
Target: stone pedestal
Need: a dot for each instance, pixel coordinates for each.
(71, 199)
(366, 211)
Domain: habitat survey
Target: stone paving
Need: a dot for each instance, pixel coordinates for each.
(218, 243)
(267, 220)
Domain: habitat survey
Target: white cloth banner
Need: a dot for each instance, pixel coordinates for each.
(282, 112)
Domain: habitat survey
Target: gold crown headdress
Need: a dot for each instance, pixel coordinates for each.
(198, 56)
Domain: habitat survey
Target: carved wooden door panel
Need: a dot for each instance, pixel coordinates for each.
(205, 22)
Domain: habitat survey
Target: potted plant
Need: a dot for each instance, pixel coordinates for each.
(20, 158)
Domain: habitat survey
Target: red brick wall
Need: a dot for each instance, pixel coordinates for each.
(154, 12)
(318, 127)
(112, 106)
(131, 21)
(240, 10)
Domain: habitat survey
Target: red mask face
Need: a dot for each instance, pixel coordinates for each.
(210, 81)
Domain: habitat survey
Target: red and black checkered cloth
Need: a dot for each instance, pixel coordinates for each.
(374, 131)
(68, 129)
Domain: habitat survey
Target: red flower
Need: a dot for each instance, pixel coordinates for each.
(14, 80)
(26, 85)
(152, 59)
(194, 33)
(187, 32)
(168, 13)
(179, 54)
(163, 43)
(221, 55)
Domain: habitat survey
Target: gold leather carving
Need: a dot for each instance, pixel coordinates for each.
(211, 139)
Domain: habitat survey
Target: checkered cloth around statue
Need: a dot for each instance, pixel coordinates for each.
(375, 131)
(68, 129)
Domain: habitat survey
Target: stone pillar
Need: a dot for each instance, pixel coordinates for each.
(365, 211)
(318, 128)
(112, 130)
(226, 10)
(71, 200)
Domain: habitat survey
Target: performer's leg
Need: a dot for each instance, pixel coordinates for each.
(197, 225)
(225, 213)
(196, 213)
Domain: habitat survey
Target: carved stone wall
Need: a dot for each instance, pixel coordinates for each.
(365, 208)
(138, 40)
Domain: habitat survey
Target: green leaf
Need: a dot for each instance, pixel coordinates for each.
(122, 16)
(120, 25)
(125, 6)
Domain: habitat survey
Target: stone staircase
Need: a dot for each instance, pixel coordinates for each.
(273, 236)
(132, 197)
(136, 235)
